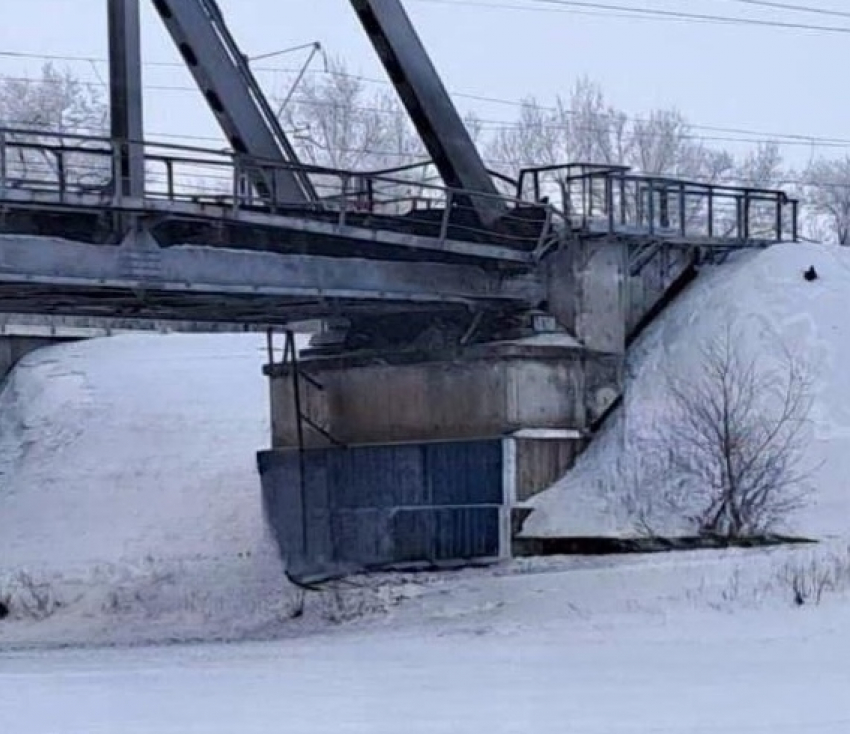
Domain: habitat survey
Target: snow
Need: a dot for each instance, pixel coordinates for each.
(765, 296)
(129, 484)
(130, 515)
(592, 647)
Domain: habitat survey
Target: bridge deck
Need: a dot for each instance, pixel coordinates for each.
(206, 248)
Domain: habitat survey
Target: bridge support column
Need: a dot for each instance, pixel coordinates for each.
(420, 456)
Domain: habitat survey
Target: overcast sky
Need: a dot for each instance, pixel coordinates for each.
(764, 79)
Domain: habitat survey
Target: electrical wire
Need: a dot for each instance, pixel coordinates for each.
(655, 13)
(792, 7)
(732, 134)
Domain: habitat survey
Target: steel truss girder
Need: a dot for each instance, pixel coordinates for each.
(200, 273)
(429, 105)
(233, 94)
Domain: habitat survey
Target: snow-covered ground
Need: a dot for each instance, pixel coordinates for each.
(593, 647)
(128, 485)
(764, 298)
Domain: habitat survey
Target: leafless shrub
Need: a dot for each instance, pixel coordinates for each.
(28, 598)
(809, 581)
(734, 441)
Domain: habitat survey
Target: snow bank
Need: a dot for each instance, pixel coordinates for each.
(129, 496)
(765, 295)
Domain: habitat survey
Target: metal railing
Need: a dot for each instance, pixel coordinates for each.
(615, 200)
(78, 171)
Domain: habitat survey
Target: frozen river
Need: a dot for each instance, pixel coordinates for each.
(783, 672)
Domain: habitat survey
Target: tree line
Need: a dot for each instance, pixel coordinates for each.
(340, 120)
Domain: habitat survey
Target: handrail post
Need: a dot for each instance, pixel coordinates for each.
(237, 184)
(544, 231)
(270, 345)
(651, 207)
(795, 206)
(275, 203)
(609, 203)
(343, 199)
(623, 208)
(711, 212)
(117, 180)
(747, 215)
(682, 214)
(739, 216)
(169, 178)
(444, 222)
(60, 173)
(664, 207)
(779, 212)
(639, 203)
(3, 166)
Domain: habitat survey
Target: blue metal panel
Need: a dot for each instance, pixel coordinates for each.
(377, 476)
(372, 506)
(467, 473)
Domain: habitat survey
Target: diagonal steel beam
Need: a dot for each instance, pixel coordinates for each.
(227, 83)
(429, 105)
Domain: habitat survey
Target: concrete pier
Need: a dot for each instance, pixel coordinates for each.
(437, 427)
(431, 439)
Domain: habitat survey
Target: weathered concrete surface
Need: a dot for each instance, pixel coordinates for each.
(585, 283)
(476, 392)
(651, 284)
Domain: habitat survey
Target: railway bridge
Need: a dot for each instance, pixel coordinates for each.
(472, 330)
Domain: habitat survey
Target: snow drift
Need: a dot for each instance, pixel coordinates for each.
(766, 297)
(128, 485)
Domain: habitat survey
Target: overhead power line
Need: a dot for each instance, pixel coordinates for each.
(650, 13)
(792, 7)
(728, 134)
(754, 136)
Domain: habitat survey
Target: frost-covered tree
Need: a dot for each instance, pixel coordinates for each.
(827, 193)
(761, 168)
(585, 128)
(60, 103)
(339, 122)
(581, 128)
(342, 124)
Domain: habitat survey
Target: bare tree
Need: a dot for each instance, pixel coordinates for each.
(341, 124)
(583, 128)
(60, 103)
(761, 168)
(586, 128)
(734, 442)
(827, 191)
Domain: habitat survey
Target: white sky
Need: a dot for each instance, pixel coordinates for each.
(764, 79)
